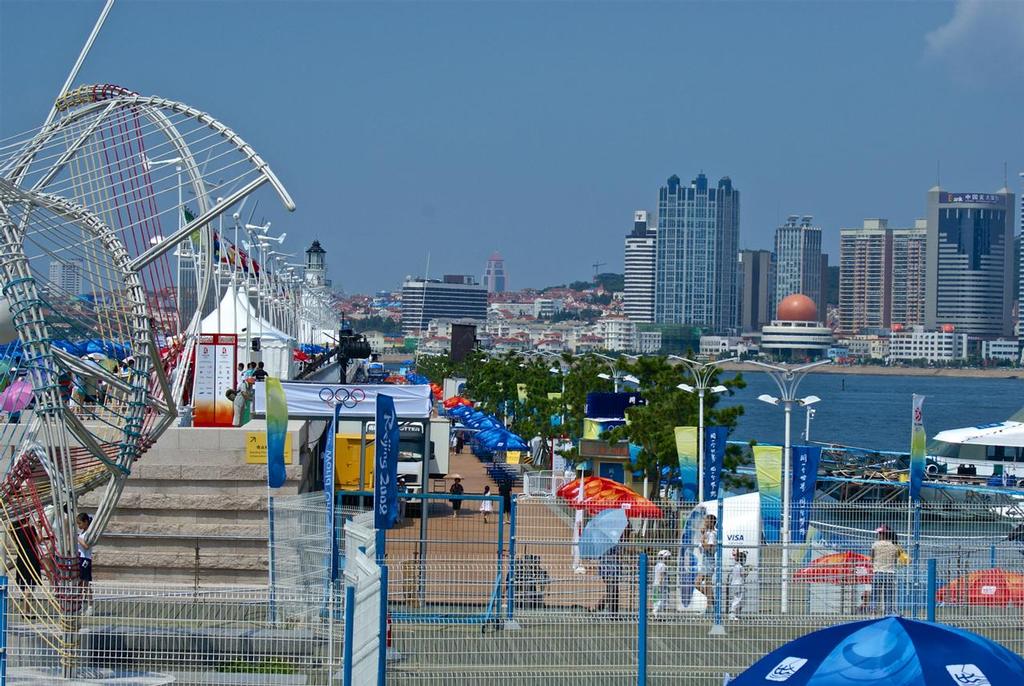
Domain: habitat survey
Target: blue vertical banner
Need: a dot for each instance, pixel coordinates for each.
(329, 493)
(385, 488)
(714, 457)
(806, 459)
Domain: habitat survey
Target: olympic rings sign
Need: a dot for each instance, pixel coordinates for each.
(343, 396)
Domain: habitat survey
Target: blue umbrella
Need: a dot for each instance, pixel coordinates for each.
(891, 651)
(602, 533)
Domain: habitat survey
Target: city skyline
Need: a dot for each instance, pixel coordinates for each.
(560, 126)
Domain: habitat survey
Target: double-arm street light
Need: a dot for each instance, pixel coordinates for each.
(703, 374)
(787, 379)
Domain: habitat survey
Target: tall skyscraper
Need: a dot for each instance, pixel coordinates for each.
(881, 276)
(698, 238)
(755, 289)
(640, 260)
(908, 274)
(66, 277)
(495, 279)
(970, 262)
(798, 259)
(456, 297)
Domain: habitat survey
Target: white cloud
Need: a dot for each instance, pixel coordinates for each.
(982, 42)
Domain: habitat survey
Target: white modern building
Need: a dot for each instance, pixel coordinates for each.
(1000, 349)
(640, 260)
(942, 345)
(725, 346)
(796, 334)
(547, 307)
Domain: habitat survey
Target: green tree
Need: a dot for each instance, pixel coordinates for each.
(652, 425)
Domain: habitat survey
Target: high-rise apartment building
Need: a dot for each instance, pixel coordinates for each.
(881, 276)
(865, 272)
(698, 239)
(798, 260)
(640, 259)
(66, 277)
(755, 289)
(969, 281)
(495, 278)
(908, 274)
(456, 297)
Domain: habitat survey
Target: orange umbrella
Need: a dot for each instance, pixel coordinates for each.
(841, 569)
(455, 401)
(991, 587)
(604, 494)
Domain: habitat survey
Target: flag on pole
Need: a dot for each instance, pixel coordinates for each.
(277, 429)
(918, 447)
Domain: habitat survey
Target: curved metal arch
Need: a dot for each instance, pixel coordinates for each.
(51, 412)
(18, 165)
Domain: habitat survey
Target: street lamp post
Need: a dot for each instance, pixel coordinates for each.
(787, 380)
(703, 374)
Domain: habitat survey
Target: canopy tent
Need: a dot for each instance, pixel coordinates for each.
(1008, 433)
(234, 315)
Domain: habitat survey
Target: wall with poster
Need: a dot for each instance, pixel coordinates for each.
(214, 376)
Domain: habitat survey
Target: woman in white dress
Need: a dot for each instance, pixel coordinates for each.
(486, 506)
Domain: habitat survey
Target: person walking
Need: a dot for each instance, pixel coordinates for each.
(706, 552)
(608, 570)
(456, 490)
(885, 553)
(660, 587)
(260, 374)
(737, 584)
(82, 521)
(486, 506)
(505, 491)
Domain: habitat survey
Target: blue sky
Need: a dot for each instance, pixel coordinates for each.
(536, 129)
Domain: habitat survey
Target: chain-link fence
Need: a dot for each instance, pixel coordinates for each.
(535, 598)
(156, 635)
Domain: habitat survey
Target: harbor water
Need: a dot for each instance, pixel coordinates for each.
(875, 411)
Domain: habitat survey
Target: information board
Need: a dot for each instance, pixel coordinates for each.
(214, 376)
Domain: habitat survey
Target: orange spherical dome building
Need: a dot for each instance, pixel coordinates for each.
(797, 308)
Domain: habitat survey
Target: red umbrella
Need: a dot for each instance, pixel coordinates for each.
(991, 587)
(841, 569)
(299, 356)
(604, 494)
(455, 401)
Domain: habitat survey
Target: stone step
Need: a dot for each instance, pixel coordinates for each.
(165, 577)
(201, 527)
(182, 559)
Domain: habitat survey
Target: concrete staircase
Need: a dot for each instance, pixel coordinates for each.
(193, 511)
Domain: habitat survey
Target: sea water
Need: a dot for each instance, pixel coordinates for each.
(874, 411)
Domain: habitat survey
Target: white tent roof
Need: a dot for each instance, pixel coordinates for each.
(1009, 434)
(234, 303)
